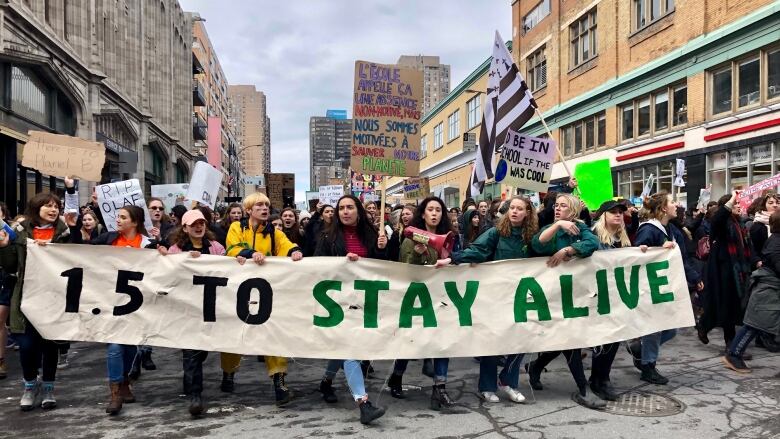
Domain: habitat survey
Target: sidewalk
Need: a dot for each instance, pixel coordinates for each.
(715, 402)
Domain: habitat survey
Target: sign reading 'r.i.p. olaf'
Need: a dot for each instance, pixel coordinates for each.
(112, 197)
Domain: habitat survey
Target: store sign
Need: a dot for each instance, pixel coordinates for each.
(762, 153)
(738, 157)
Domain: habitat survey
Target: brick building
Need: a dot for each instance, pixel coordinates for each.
(643, 82)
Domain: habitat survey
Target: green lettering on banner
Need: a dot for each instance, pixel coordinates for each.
(539, 303)
(569, 310)
(335, 313)
(656, 282)
(463, 303)
(629, 298)
(371, 306)
(417, 290)
(603, 292)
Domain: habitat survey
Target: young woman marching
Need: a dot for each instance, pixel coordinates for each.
(510, 239)
(611, 232)
(90, 226)
(194, 237)
(255, 238)
(290, 226)
(565, 238)
(659, 232)
(42, 223)
(473, 227)
(130, 232)
(351, 234)
(313, 231)
(431, 215)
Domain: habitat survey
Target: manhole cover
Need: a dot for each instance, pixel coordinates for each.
(636, 403)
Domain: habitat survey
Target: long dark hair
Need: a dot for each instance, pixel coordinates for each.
(34, 207)
(444, 225)
(365, 228)
(293, 233)
(225, 221)
(137, 216)
(181, 238)
(470, 233)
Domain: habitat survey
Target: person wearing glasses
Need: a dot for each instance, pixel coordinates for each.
(161, 223)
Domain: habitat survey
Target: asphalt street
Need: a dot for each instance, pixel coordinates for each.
(703, 400)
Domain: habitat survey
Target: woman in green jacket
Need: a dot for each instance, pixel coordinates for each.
(510, 239)
(562, 240)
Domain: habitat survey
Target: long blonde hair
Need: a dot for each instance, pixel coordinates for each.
(530, 223)
(575, 206)
(605, 237)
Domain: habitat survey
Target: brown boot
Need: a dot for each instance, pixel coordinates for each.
(126, 391)
(116, 399)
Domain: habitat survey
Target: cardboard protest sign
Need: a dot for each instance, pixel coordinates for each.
(278, 187)
(417, 187)
(333, 308)
(330, 194)
(113, 196)
(526, 162)
(204, 184)
(170, 194)
(387, 107)
(679, 172)
(594, 181)
(60, 155)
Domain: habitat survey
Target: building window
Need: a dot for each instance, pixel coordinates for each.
(453, 124)
(650, 114)
(749, 89)
(661, 111)
(628, 121)
(739, 84)
(536, 64)
(583, 39)
(680, 105)
(644, 117)
(536, 15)
(742, 167)
(424, 146)
(584, 136)
(646, 12)
(29, 95)
(438, 138)
(474, 116)
(631, 182)
(773, 77)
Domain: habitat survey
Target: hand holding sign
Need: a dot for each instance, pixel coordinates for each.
(58, 155)
(204, 185)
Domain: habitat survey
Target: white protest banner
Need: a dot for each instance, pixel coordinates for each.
(747, 195)
(170, 194)
(705, 195)
(679, 172)
(526, 162)
(333, 308)
(204, 184)
(331, 194)
(648, 186)
(113, 196)
(60, 156)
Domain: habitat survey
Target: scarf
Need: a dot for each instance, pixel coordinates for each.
(739, 253)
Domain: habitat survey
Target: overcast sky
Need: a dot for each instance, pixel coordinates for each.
(301, 53)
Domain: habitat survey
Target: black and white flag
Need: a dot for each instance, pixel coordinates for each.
(509, 104)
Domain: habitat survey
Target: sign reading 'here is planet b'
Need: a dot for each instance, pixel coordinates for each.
(526, 162)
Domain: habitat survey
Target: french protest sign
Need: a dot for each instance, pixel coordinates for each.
(526, 162)
(113, 196)
(61, 156)
(417, 187)
(387, 107)
(369, 309)
(204, 184)
(331, 194)
(170, 194)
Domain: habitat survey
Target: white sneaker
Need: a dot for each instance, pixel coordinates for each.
(489, 396)
(48, 402)
(30, 396)
(510, 394)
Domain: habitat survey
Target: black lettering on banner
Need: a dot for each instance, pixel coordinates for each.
(123, 286)
(73, 289)
(266, 301)
(210, 285)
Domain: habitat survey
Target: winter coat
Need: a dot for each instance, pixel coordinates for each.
(585, 243)
(407, 254)
(313, 234)
(763, 308)
(62, 234)
(337, 247)
(243, 241)
(653, 234)
(491, 246)
(759, 233)
(215, 248)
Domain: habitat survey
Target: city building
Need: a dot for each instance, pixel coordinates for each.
(122, 80)
(436, 78)
(644, 82)
(253, 129)
(330, 140)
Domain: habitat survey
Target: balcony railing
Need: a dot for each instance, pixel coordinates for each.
(198, 94)
(198, 127)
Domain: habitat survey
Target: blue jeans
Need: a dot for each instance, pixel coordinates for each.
(120, 360)
(354, 375)
(509, 376)
(651, 344)
(440, 367)
(744, 336)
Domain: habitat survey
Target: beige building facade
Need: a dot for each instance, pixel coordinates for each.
(436, 77)
(253, 129)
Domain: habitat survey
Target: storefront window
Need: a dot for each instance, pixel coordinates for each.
(637, 182)
(665, 179)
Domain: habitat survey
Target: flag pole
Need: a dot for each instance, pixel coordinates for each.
(382, 207)
(549, 133)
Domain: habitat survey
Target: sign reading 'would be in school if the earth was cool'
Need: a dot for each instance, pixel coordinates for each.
(386, 110)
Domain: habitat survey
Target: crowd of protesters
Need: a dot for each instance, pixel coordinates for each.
(731, 260)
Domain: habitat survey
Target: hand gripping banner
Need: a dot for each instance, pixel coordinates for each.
(333, 308)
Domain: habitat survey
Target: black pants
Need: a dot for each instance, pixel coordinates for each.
(574, 360)
(192, 362)
(35, 352)
(603, 357)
